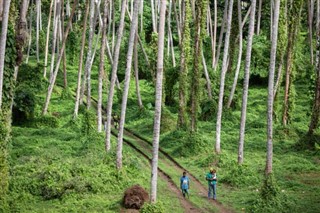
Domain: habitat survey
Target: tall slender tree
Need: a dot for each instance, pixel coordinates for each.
(184, 65)
(158, 102)
(201, 7)
(293, 28)
(222, 77)
(133, 30)
(236, 75)
(102, 63)
(273, 55)
(114, 73)
(47, 40)
(83, 41)
(246, 84)
(3, 40)
(316, 103)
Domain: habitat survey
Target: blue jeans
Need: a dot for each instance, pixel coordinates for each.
(213, 188)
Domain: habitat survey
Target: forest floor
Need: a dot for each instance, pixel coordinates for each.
(167, 164)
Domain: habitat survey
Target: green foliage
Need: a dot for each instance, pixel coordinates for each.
(24, 104)
(46, 121)
(152, 208)
(191, 144)
(271, 198)
(32, 75)
(89, 123)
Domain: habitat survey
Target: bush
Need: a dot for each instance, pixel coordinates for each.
(89, 123)
(152, 208)
(271, 199)
(46, 121)
(24, 104)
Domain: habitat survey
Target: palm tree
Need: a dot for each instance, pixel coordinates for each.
(158, 101)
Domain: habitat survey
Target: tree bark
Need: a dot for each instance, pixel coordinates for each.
(136, 71)
(246, 82)
(222, 78)
(47, 41)
(195, 84)
(54, 36)
(273, 54)
(3, 40)
(83, 42)
(235, 80)
(185, 50)
(154, 26)
(224, 20)
(54, 76)
(294, 21)
(114, 74)
(316, 103)
(158, 102)
(206, 74)
(259, 17)
(38, 29)
(310, 25)
(101, 64)
(133, 30)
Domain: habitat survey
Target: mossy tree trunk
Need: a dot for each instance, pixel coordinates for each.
(293, 26)
(316, 103)
(184, 65)
(201, 8)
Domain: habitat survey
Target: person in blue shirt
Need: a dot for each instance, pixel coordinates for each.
(185, 184)
(211, 177)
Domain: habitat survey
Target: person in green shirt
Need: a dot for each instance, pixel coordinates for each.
(211, 177)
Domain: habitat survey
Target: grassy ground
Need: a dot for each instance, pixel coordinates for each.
(59, 169)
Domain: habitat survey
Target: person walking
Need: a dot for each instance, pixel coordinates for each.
(211, 177)
(185, 184)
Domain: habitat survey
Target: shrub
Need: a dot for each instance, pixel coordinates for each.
(46, 121)
(152, 208)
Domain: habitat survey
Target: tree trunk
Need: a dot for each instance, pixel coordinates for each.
(83, 42)
(3, 40)
(234, 85)
(206, 74)
(133, 30)
(87, 74)
(54, 36)
(54, 76)
(294, 21)
(316, 103)
(47, 41)
(136, 70)
(101, 65)
(259, 17)
(38, 29)
(246, 82)
(195, 84)
(114, 73)
(184, 65)
(30, 35)
(177, 19)
(310, 25)
(273, 54)
(222, 78)
(65, 79)
(154, 26)
(158, 102)
(224, 20)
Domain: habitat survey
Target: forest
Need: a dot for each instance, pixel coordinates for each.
(109, 105)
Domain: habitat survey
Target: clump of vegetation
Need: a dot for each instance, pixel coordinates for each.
(271, 198)
(152, 208)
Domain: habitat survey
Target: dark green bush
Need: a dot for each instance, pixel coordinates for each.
(24, 104)
(46, 121)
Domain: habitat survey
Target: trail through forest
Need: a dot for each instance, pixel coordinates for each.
(167, 163)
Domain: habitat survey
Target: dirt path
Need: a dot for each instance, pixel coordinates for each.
(198, 188)
(184, 203)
